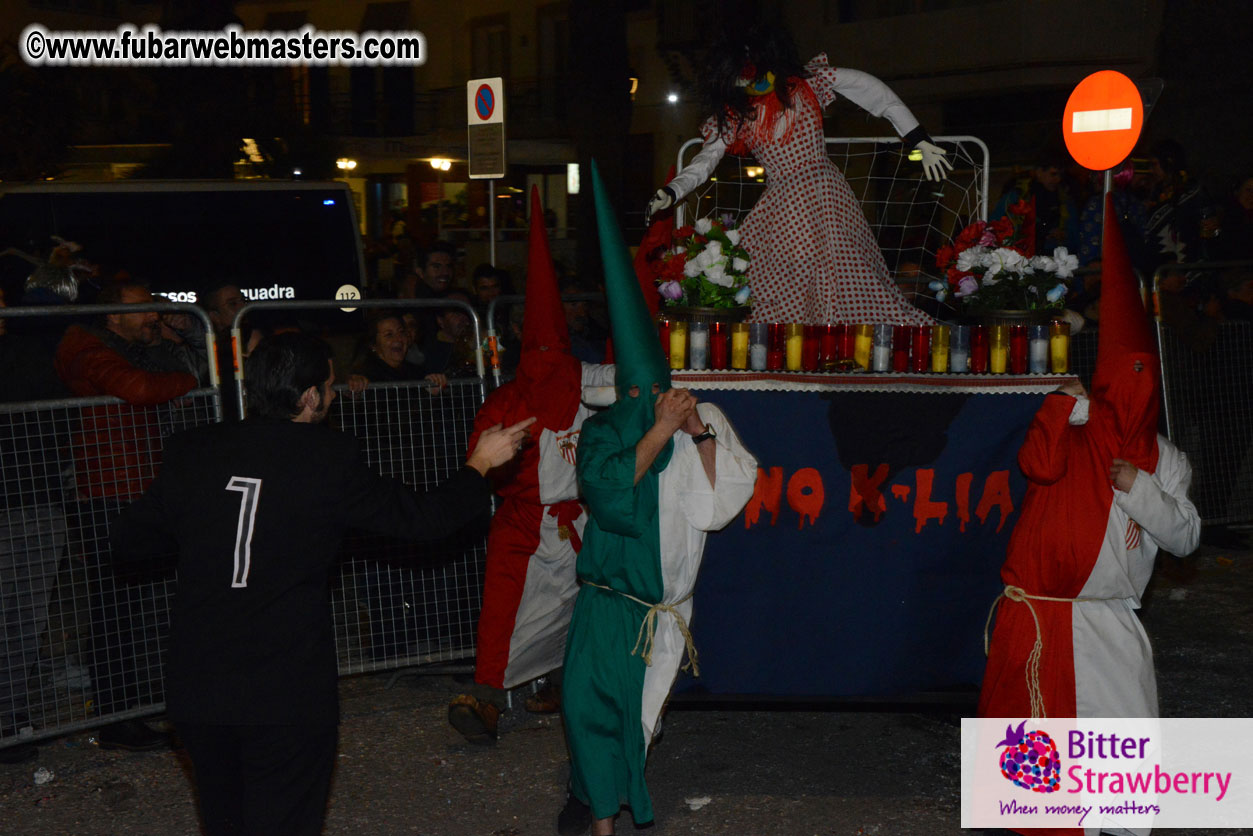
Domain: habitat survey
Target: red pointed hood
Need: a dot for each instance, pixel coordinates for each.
(1125, 402)
(550, 375)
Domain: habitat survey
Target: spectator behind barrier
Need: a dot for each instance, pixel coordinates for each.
(1056, 218)
(1236, 240)
(385, 351)
(450, 348)
(117, 453)
(1181, 217)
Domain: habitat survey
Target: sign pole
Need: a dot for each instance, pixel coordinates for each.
(485, 133)
(491, 221)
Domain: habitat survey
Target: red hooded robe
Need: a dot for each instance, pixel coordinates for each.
(529, 584)
(1080, 537)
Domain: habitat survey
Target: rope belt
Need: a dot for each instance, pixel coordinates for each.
(1017, 593)
(644, 641)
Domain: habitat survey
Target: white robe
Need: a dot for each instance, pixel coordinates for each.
(690, 508)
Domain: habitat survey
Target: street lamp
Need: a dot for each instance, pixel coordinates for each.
(440, 164)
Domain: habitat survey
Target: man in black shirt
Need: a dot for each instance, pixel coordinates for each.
(257, 511)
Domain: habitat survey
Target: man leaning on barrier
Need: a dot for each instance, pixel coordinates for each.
(256, 512)
(116, 454)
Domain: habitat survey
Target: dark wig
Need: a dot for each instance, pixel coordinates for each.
(278, 372)
(758, 48)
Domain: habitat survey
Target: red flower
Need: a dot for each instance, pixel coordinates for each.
(1003, 229)
(945, 256)
(672, 269)
(684, 231)
(954, 275)
(970, 236)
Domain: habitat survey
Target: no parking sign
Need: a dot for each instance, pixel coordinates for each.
(485, 132)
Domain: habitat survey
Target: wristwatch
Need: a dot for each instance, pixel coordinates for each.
(707, 435)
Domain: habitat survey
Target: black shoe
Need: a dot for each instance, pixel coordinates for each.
(21, 753)
(575, 818)
(131, 735)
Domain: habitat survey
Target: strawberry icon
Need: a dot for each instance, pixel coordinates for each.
(1030, 759)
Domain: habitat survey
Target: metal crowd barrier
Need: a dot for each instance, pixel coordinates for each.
(82, 646)
(1207, 378)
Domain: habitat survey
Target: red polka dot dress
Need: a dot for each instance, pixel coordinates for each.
(813, 257)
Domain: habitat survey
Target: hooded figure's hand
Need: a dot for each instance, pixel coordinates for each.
(673, 408)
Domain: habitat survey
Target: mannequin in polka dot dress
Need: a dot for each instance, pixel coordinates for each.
(814, 258)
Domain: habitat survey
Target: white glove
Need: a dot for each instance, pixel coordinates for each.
(934, 161)
(661, 201)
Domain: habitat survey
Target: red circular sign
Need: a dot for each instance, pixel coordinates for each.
(1103, 119)
(484, 101)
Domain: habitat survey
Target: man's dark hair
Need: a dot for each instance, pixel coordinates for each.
(278, 372)
(437, 247)
(111, 294)
(211, 289)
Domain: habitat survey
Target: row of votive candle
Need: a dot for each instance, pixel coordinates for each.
(761, 346)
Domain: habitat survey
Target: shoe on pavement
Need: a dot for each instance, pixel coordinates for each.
(575, 818)
(546, 700)
(475, 720)
(132, 736)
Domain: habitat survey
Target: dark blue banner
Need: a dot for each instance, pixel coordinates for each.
(870, 553)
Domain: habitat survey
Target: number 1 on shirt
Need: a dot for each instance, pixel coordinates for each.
(250, 490)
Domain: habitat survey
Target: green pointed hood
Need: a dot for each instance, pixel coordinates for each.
(637, 349)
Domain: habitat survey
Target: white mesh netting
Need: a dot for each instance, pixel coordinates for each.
(911, 217)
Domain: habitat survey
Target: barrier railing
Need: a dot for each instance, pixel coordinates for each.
(84, 646)
(1207, 378)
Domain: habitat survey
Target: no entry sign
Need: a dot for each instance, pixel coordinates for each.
(1103, 119)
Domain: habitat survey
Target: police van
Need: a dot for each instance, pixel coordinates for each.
(275, 240)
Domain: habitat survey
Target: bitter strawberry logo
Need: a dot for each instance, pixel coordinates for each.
(1030, 759)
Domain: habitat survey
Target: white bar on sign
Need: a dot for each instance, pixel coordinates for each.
(1087, 121)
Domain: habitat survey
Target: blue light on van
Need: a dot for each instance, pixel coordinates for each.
(330, 201)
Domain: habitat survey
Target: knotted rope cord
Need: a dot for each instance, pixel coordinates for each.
(1017, 593)
(644, 641)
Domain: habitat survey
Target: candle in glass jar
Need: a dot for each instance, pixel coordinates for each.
(900, 347)
(810, 347)
(758, 345)
(1059, 347)
(698, 345)
(828, 348)
(1018, 349)
(979, 349)
(846, 336)
(919, 348)
(678, 344)
(739, 345)
(939, 348)
(776, 348)
(794, 339)
(863, 339)
(881, 353)
(998, 348)
(663, 331)
(1038, 349)
(959, 349)
(718, 345)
